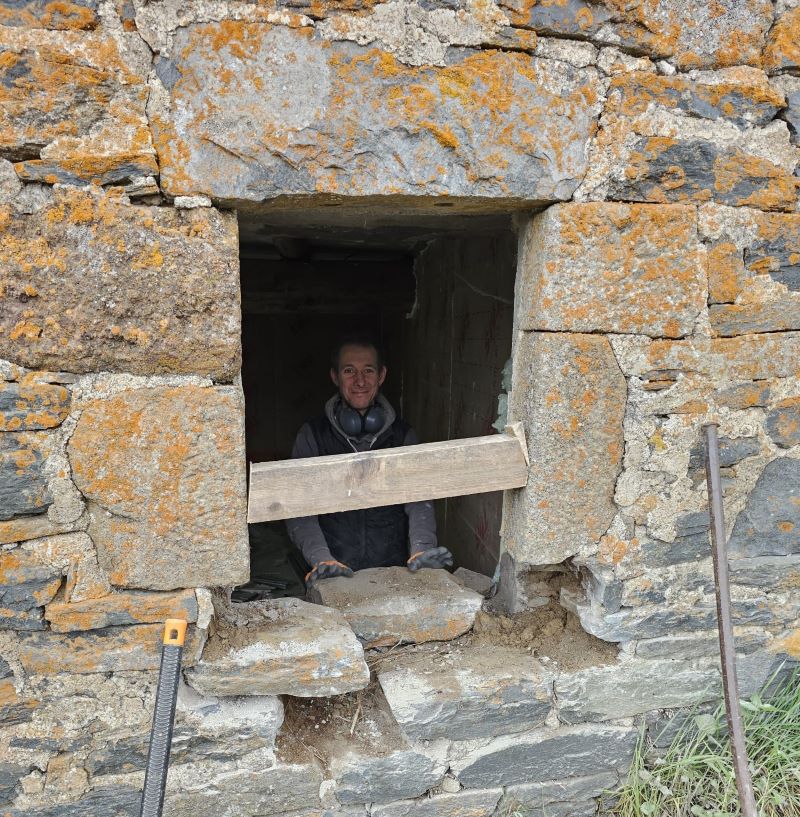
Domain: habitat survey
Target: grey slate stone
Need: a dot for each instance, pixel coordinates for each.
(387, 605)
(23, 487)
(400, 774)
(783, 422)
(472, 693)
(546, 755)
(769, 572)
(691, 543)
(633, 623)
(769, 523)
(632, 687)
(731, 451)
(250, 786)
(10, 773)
(466, 803)
(699, 645)
(562, 791)
(114, 801)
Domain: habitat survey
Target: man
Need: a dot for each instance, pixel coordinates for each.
(360, 418)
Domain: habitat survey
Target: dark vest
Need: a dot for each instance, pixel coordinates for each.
(373, 537)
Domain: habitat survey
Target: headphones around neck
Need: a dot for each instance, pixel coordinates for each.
(354, 423)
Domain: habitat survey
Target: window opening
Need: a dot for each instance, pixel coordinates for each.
(437, 292)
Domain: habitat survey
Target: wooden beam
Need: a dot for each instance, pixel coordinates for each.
(346, 482)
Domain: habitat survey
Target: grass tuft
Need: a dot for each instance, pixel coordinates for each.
(694, 777)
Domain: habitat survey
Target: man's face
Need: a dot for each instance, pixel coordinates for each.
(358, 377)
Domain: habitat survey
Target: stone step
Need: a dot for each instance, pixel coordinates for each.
(391, 605)
(280, 647)
(469, 692)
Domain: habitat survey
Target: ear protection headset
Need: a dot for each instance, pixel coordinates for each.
(354, 423)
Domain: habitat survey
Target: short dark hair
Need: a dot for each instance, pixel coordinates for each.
(365, 341)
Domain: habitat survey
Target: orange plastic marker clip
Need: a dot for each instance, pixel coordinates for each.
(175, 632)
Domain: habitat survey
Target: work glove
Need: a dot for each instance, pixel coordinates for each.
(435, 557)
(327, 570)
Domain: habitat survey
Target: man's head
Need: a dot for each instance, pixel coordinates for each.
(357, 369)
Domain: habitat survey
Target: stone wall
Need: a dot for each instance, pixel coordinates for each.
(656, 290)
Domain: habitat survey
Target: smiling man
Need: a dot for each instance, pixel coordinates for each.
(360, 418)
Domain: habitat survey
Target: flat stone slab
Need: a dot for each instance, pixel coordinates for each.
(630, 688)
(470, 693)
(488, 124)
(475, 803)
(546, 755)
(280, 647)
(151, 462)
(391, 605)
(368, 778)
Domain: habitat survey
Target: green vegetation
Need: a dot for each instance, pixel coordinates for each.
(694, 776)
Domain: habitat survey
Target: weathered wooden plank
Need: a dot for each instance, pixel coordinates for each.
(345, 482)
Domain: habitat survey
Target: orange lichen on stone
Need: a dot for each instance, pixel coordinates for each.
(768, 186)
(789, 644)
(725, 270)
(604, 268)
(114, 649)
(155, 459)
(121, 608)
(783, 48)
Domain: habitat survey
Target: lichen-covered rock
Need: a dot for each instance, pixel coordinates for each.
(23, 484)
(691, 32)
(607, 267)
(169, 280)
(75, 99)
(546, 755)
(26, 585)
(391, 605)
(22, 528)
(708, 138)
(488, 124)
(479, 692)
(70, 554)
(29, 406)
(783, 47)
(55, 14)
(280, 647)
(664, 169)
(117, 609)
(570, 395)
(783, 423)
(164, 471)
(753, 267)
(769, 522)
(740, 95)
(114, 649)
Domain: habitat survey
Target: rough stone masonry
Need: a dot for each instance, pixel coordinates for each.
(656, 144)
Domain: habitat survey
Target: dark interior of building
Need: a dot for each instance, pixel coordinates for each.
(436, 290)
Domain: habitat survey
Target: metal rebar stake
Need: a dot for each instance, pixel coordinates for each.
(730, 686)
(155, 778)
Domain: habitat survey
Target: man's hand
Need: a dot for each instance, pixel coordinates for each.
(435, 557)
(327, 570)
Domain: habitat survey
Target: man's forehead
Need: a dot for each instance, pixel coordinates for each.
(361, 355)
